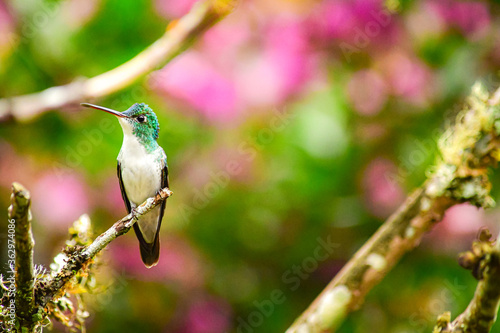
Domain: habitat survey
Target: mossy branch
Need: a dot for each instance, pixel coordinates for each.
(81, 258)
(460, 175)
(481, 313)
(179, 35)
(20, 215)
(36, 301)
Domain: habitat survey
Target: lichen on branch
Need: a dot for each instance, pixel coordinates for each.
(48, 297)
(82, 257)
(20, 214)
(459, 175)
(484, 262)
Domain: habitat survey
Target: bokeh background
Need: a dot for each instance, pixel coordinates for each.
(327, 114)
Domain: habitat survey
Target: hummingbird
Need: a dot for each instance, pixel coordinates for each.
(142, 172)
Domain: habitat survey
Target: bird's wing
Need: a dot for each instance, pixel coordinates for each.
(122, 187)
(164, 183)
(150, 252)
(164, 175)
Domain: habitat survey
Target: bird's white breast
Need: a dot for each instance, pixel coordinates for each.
(141, 171)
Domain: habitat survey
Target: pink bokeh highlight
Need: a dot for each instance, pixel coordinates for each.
(408, 77)
(460, 225)
(6, 26)
(367, 91)
(76, 13)
(463, 219)
(14, 167)
(235, 33)
(382, 196)
(207, 314)
(173, 9)
(334, 19)
(287, 47)
(192, 79)
(279, 69)
(349, 20)
(59, 199)
(472, 18)
(240, 67)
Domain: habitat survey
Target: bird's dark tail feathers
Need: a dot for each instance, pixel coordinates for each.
(150, 252)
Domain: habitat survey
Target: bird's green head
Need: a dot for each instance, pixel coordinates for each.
(138, 120)
(143, 121)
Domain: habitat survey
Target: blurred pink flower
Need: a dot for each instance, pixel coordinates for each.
(382, 194)
(471, 17)
(408, 77)
(208, 315)
(367, 91)
(59, 199)
(5, 18)
(14, 167)
(79, 12)
(351, 21)
(463, 219)
(288, 49)
(269, 76)
(234, 32)
(459, 226)
(173, 9)
(423, 23)
(192, 79)
(258, 81)
(6, 27)
(178, 263)
(334, 19)
(259, 66)
(364, 9)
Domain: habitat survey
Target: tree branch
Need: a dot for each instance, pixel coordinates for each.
(466, 150)
(481, 313)
(179, 36)
(81, 258)
(20, 214)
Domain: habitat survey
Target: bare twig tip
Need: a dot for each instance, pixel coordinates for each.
(19, 190)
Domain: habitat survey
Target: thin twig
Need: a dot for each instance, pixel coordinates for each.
(179, 36)
(459, 176)
(19, 212)
(78, 260)
(481, 313)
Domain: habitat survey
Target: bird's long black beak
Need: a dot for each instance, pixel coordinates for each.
(113, 112)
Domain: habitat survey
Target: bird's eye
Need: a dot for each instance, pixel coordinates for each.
(141, 119)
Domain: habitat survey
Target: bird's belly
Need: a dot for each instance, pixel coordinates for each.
(141, 180)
